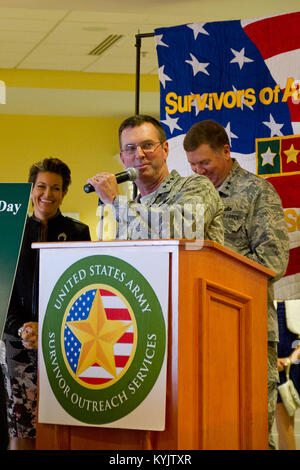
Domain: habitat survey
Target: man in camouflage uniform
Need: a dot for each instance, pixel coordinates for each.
(253, 218)
(168, 206)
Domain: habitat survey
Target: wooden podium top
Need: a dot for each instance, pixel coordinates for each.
(195, 245)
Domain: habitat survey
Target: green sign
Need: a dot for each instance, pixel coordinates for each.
(14, 200)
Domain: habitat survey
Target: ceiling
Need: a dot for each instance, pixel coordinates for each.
(65, 40)
(90, 36)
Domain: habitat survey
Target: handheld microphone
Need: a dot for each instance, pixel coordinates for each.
(130, 174)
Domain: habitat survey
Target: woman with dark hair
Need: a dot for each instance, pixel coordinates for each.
(51, 178)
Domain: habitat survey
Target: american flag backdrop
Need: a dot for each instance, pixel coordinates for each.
(115, 310)
(244, 74)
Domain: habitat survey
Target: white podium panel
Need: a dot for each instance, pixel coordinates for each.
(103, 315)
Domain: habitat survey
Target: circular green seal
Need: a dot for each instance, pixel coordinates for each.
(103, 339)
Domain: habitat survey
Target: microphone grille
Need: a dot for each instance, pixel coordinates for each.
(132, 173)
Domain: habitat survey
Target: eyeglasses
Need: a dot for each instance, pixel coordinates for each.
(147, 147)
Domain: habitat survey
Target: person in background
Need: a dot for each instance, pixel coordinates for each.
(253, 219)
(3, 415)
(288, 352)
(143, 146)
(50, 180)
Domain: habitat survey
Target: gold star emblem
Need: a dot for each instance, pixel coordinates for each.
(97, 336)
(292, 154)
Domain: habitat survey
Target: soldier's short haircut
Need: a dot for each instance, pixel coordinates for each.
(205, 132)
(52, 165)
(139, 119)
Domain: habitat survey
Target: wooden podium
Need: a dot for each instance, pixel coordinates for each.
(217, 391)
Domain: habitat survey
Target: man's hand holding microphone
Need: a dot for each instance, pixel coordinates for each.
(106, 184)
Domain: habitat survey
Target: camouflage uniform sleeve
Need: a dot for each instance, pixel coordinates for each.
(268, 232)
(176, 213)
(198, 191)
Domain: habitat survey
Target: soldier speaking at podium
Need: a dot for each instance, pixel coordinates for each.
(163, 196)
